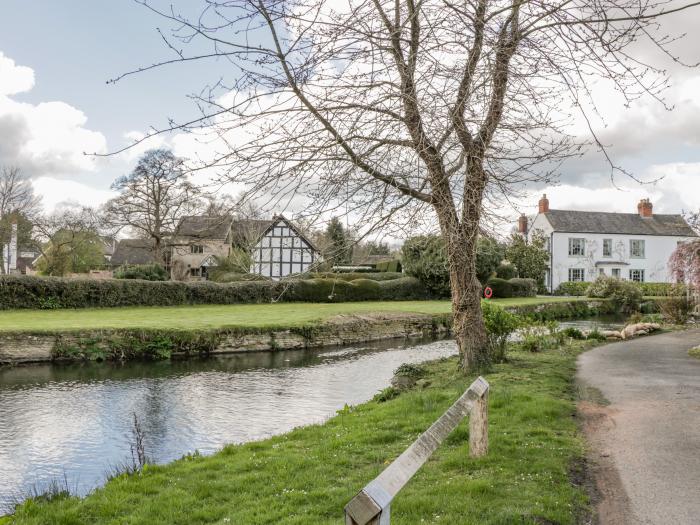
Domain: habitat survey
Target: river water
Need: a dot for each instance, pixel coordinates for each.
(73, 423)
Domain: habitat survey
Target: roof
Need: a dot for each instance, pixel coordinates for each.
(204, 227)
(246, 232)
(623, 223)
(133, 251)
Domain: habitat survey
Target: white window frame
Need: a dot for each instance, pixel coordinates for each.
(574, 273)
(641, 244)
(196, 248)
(636, 275)
(580, 243)
(607, 243)
(616, 272)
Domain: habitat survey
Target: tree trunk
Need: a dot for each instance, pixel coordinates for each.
(468, 323)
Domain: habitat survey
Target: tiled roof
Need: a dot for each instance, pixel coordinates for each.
(624, 223)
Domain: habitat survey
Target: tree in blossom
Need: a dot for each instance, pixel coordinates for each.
(685, 263)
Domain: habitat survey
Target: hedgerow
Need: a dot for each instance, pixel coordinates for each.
(54, 292)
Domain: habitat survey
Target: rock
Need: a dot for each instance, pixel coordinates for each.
(636, 329)
(611, 334)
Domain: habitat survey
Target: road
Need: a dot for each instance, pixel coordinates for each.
(646, 442)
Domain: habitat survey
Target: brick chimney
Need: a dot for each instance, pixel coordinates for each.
(522, 225)
(645, 208)
(544, 204)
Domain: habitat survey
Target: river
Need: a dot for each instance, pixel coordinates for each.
(73, 423)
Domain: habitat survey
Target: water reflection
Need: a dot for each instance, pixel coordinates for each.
(74, 420)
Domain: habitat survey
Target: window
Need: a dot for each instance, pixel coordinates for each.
(577, 246)
(607, 247)
(637, 276)
(196, 248)
(576, 274)
(637, 248)
(601, 271)
(616, 272)
(196, 272)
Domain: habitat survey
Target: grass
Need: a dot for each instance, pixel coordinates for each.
(308, 475)
(221, 316)
(694, 352)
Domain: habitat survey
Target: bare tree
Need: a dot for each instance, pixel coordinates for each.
(18, 204)
(154, 197)
(398, 111)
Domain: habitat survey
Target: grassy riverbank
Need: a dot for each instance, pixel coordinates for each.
(202, 317)
(307, 476)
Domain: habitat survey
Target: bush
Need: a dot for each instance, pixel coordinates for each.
(523, 287)
(55, 292)
(146, 272)
(424, 258)
(578, 288)
(501, 288)
(233, 277)
(675, 310)
(625, 295)
(573, 333)
(500, 324)
(506, 270)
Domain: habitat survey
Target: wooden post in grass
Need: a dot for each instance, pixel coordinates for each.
(479, 427)
(372, 505)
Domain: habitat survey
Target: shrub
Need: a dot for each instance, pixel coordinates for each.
(625, 295)
(233, 277)
(54, 292)
(424, 258)
(523, 287)
(506, 270)
(534, 342)
(573, 333)
(675, 310)
(146, 272)
(501, 288)
(500, 324)
(595, 335)
(578, 288)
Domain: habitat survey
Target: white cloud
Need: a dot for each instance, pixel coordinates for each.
(13, 78)
(57, 192)
(45, 139)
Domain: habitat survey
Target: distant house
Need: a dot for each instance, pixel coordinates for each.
(585, 244)
(131, 252)
(277, 247)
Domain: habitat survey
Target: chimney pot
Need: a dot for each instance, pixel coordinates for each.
(645, 208)
(544, 204)
(522, 225)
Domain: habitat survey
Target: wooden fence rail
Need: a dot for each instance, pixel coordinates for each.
(372, 505)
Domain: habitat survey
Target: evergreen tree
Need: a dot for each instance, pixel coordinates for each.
(339, 246)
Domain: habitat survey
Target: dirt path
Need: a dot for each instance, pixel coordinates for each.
(645, 445)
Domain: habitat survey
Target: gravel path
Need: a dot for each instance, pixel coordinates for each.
(646, 442)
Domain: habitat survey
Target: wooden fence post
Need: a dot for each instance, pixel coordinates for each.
(479, 427)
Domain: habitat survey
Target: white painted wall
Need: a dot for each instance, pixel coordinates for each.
(657, 251)
(281, 252)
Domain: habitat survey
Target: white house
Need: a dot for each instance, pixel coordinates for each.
(585, 244)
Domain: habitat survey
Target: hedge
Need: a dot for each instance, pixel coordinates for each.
(352, 276)
(576, 288)
(523, 287)
(500, 287)
(648, 289)
(55, 292)
(389, 266)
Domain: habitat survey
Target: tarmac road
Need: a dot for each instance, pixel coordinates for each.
(646, 442)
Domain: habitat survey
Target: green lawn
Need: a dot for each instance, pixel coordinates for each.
(220, 316)
(308, 475)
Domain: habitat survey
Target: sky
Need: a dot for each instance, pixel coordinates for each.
(56, 105)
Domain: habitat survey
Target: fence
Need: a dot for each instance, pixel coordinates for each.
(372, 505)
